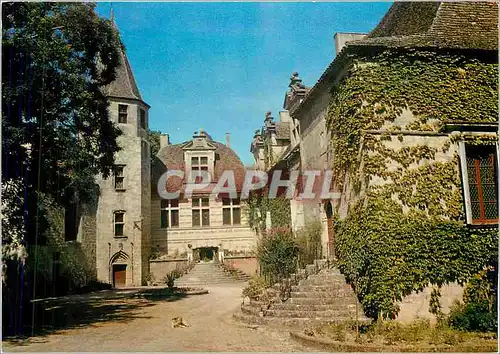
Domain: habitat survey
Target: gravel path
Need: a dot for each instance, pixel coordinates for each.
(145, 326)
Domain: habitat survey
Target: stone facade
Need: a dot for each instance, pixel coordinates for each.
(221, 223)
(438, 33)
(125, 228)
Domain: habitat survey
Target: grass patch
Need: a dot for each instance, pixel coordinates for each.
(398, 337)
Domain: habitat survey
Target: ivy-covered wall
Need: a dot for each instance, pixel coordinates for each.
(404, 227)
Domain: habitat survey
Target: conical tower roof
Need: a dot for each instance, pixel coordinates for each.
(124, 86)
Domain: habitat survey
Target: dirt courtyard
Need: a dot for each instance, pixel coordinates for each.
(145, 326)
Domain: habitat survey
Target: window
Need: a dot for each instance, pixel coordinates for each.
(199, 164)
(122, 113)
(231, 212)
(169, 213)
(71, 222)
(480, 183)
(119, 178)
(201, 212)
(144, 149)
(119, 223)
(143, 119)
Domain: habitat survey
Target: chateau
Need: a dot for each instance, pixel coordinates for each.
(131, 223)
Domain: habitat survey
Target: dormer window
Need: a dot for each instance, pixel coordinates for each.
(199, 164)
(122, 113)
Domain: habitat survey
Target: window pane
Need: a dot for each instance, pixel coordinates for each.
(471, 171)
(175, 218)
(236, 202)
(174, 203)
(204, 168)
(118, 182)
(226, 201)
(195, 161)
(236, 216)
(118, 217)
(196, 218)
(164, 219)
(474, 195)
(491, 211)
(226, 216)
(119, 171)
(122, 113)
(206, 217)
(204, 202)
(489, 193)
(196, 202)
(475, 210)
(164, 203)
(203, 160)
(118, 229)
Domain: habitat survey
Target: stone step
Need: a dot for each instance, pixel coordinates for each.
(273, 312)
(322, 288)
(346, 313)
(344, 293)
(312, 307)
(322, 301)
(326, 277)
(290, 322)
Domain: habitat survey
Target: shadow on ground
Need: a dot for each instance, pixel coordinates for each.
(72, 312)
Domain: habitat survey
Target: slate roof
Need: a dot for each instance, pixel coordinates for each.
(172, 157)
(456, 25)
(124, 85)
(446, 25)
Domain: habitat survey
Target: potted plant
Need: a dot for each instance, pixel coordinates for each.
(169, 279)
(150, 278)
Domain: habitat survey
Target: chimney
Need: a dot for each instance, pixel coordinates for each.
(228, 140)
(341, 39)
(164, 140)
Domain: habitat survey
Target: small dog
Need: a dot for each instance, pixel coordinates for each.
(177, 322)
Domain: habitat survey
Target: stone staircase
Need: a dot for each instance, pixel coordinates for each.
(206, 273)
(316, 298)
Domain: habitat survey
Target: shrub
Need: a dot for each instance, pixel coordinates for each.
(309, 241)
(255, 287)
(474, 317)
(277, 252)
(478, 312)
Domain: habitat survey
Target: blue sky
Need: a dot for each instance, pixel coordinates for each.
(221, 66)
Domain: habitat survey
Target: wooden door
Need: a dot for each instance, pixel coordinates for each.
(119, 275)
(329, 223)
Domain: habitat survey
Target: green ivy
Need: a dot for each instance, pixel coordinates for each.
(406, 233)
(257, 206)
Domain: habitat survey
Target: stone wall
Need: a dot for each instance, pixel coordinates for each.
(248, 265)
(416, 305)
(171, 240)
(159, 268)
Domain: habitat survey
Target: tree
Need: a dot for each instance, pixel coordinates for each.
(154, 142)
(56, 133)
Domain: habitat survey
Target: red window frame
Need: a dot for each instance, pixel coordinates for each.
(477, 181)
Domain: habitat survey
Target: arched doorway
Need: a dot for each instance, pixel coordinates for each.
(329, 222)
(119, 269)
(206, 254)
